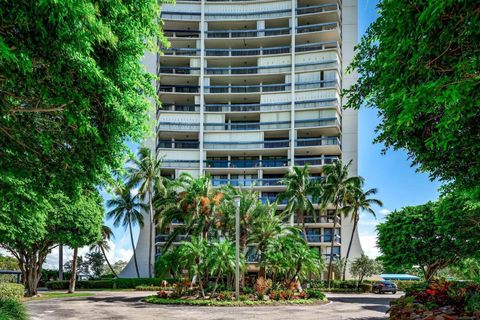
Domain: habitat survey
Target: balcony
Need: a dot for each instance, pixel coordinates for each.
(322, 238)
(179, 70)
(319, 46)
(266, 144)
(178, 126)
(216, 182)
(239, 126)
(268, 69)
(166, 163)
(162, 238)
(252, 33)
(254, 107)
(318, 161)
(321, 219)
(325, 141)
(178, 89)
(274, 87)
(182, 33)
(319, 27)
(266, 200)
(177, 144)
(328, 7)
(254, 163)
(178, 107)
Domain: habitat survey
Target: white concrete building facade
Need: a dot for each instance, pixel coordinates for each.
(251, 88)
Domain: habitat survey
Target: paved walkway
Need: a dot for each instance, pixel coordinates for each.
(128, 305)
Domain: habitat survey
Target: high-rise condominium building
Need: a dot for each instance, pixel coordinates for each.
(251, 88)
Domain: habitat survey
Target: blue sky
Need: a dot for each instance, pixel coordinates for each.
(398, 183)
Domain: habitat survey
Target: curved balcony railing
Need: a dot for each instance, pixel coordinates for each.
(267, 144)
(244, 126)
(270, 69)
(317, 161)
(267, 14)
(253, 163)
(248, 182)
(178, 126)
(178, 89)
(250, 107)
(328, 26)
(274, 87)
(325, 141)
(253, 52)
(177, 144)
(179, 70)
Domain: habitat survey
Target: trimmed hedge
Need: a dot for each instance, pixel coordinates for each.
(118, 283)
(408, 285)
(12, 309)
(11, 291)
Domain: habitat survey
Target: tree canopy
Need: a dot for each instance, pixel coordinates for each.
(72, 89)
(419, 66)
(414, 236)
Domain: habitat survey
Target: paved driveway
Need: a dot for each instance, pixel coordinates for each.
(128, 305)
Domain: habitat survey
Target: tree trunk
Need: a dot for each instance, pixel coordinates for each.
(200, 283)
(60, 262)
(330, 264)
(133, 247)
(216, 283)
(150, 241)
(73, 278)
(301, 217)
(355, 223)
(108, 262)
(31, 274)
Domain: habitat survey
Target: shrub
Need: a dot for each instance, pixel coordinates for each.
(163, 294)
(274, 295)
(409, 285)
(262, 285)
(247, 290)
(12, 309)
(148, 288)
(225, 296)
(366, 287)
(473, 303)
(11, 291)
(244, 297)
(287, 295)
(303, 295)
(315, 294)
(117, 283)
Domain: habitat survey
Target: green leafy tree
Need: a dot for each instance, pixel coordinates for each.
(419, 67)
(411, 237)
(145, 173)
(357, 202)
(103, 246)
(8, 263)
(73, 89)
(96, 262)
(126, 210)
(337, 189)
(299, 192)
(364, 267)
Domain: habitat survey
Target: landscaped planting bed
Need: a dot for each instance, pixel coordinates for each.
(440, 300)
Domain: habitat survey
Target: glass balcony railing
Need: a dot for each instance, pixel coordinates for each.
(180, 163)
(317, 161)
(247, 33)
(179, 70)
(321, 103)
(329, 26)
(321, 219)
(272, 199)
(268, 69)
(182, 33)
(328, 7)
(249, 163)
(178, 126)
(244, 126)
(276, 87)
(267, 144)
(325, 141)
(253, 51)
(319, 238)
(179, 107)
(178, 89)
(247, 182)
(177, 144)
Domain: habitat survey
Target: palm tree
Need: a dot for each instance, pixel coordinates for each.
(266, 228)
(337, 187)
(126, 210)
(221, 260)
(103, 246)
(145, 173)
(193, 255)
(358, 201)
(299, 191)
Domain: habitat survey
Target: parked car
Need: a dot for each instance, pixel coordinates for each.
(384, 286)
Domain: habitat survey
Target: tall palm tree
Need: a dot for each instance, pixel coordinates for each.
(358, 201)
(126, 210)
(299, 191)
(103, 246)
(193, 255)
(145, 173)
(221, 260)
(337, 187)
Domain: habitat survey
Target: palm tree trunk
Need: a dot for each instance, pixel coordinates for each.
(330, 264)
(133, 247)
(150, 241)
(355, 223)
(301, 216)
(216, 283)
(73, 278)
(108, 262)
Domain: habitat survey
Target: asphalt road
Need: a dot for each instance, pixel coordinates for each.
(128, 305)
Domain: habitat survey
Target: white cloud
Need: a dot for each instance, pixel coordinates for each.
(369, 245)
(384, 212)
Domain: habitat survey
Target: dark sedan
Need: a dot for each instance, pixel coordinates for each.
(384, 286)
